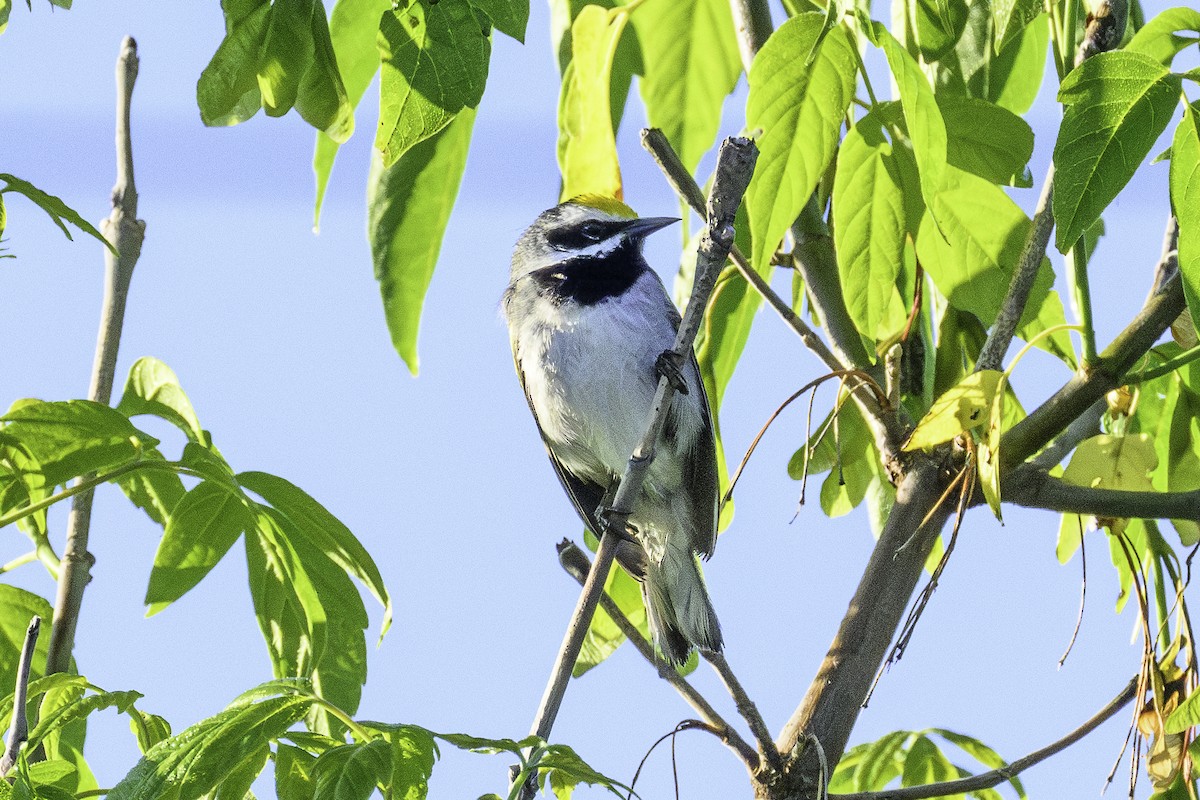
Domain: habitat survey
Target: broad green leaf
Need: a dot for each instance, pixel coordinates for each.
(353, 26)
(435, 64)
(882, 760)
(972, 257)
(195, 761)
(981, 753)
(17, 608)
(925, 763)
(325, 531)
(413, 754)
(58, 211)
(847, 482)
(510, 17)
(209, 465)
(1186, 716)
(1185, 200)
(237, 783)
(986, 139)
(5, 10)
(408, 205)
(200, 531)
(286, 603)
(1107, 461)
(691, 64)
(155, 491)
(1159, 38)
(560, 758)
(797, 100)
(926, 129)
(287, 49)
(323, 101)
(939, 24)
(351, 771)
(480, 744)
(1010, 18)
(293, 773)
(227, 92)
(962, 408)
(1014, 76)
(868, 222)
(587, 149)
(150, 729)
(53, 717)
(153, 388)
(75, 437)
(1117, 104)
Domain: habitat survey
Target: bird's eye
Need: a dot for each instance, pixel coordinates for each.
(592, 230)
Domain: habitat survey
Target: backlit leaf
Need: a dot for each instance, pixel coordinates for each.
(962, 408)
(1185, 200)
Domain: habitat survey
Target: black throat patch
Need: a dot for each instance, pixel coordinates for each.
(588, 280)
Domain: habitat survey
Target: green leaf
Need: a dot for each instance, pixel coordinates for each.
(939, 24)
(1117, 104)
(846, 485)
(435, 63)
(323, 530)
(691, 65)
(236, 785)
(564, 761)
(353, 26)
(925, 763)
(923, 118)
(587, 148)
(155, 491)
(986, 139)
(1186, 716)
(1159, 37)
(287, 50)
(153, 388)
(1185, 200)
(17, 608)
(293, 773)
(59, 212)
(1014, 76)
(971, 258)
(352, 771)
(413, 754)
(75, 437)
(200, 531)
(1107, 461)
(981, 753)
(868, 222)
(150, 729)
(322, 100)
(960, 409)
(800, 87)
(5, 10)
(227, 92)
(480, 744)
(195, 761)
(1010, 18)
(408, 205)
(53, 717)
(882, 760)
(510, 17)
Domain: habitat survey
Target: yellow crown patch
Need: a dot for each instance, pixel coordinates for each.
(609, 205)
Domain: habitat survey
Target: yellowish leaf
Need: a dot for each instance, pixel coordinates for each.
(962, 407)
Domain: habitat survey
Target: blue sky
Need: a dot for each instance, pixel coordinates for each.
(278, 337)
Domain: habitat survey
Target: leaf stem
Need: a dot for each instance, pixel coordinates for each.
(1165, 368)
(360, 733)
(1081, 297)
(19, 561)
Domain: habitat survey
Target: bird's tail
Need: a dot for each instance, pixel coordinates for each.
(680, 611)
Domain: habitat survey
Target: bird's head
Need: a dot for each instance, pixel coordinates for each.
(585, 226)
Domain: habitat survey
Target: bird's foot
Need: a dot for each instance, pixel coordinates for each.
(669, 365)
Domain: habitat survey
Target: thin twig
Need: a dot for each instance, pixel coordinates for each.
(735, 165)
(746, 708)
(126, 232)
(1035, 488)
(1082, 595)
(577, 565)
(987, 780)
(18, 731)
(1024, 274)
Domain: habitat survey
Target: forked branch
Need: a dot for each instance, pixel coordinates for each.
(18, 731)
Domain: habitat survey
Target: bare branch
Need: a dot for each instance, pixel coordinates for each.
(1035, 488)
(735, 165)
(998, 776)
(752, 23)
(577, 565)
(746, 708)
(18, 731)
(1053, 416)
(126, 232)
(1085, 426)
(831, 705)
(999, 338)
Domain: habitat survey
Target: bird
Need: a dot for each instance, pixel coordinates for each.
(591, 328)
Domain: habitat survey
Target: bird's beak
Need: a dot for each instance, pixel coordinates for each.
(641, 228)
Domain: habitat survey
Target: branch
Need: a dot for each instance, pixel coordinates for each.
(1000, 337)
(1053, 416)
(998, 776)
(746, 708)
(831, 705)
(752, 24)
(735, 164)
(577, 565)
(18, 731)
(126, 232)
(1085, 426)
(1035, 488)
(888, 430)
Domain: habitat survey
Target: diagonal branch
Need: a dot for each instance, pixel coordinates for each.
(577, 565)
(126, 232)
(18, 731)
(998, 776)
(752, 24)
(735, 165)
(1035, 488)
(746, 708)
